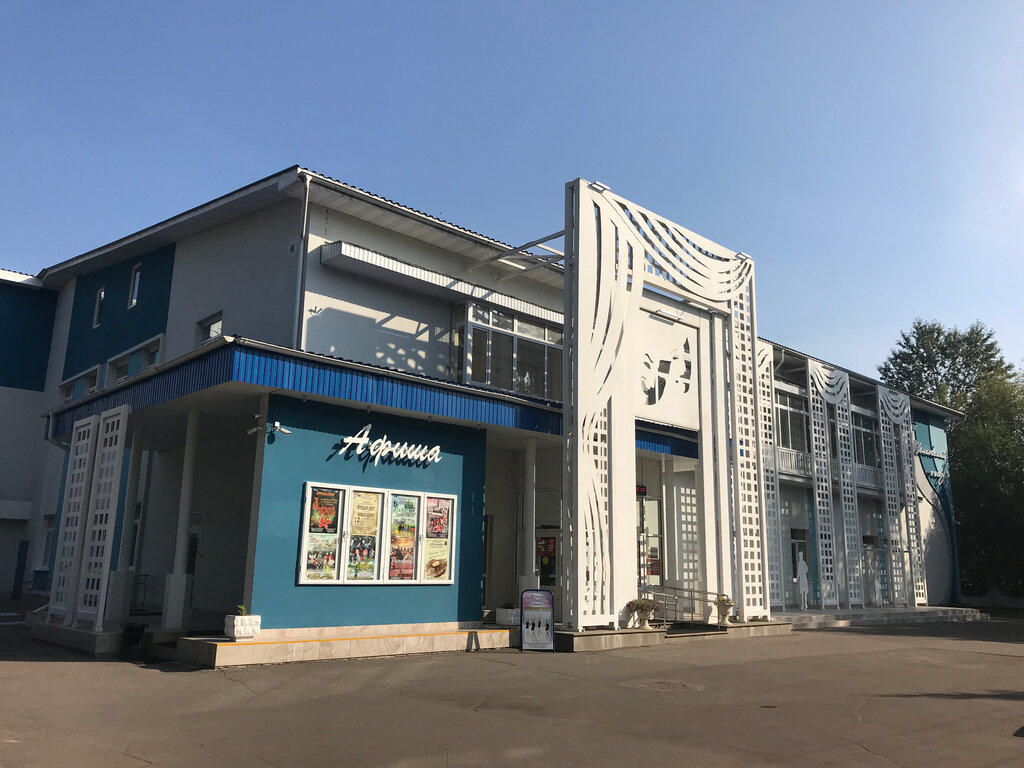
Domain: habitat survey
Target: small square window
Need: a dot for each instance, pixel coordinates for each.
(133, 286)
(119, 370)
(210, 328)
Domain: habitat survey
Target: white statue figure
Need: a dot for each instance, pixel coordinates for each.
(801, 580)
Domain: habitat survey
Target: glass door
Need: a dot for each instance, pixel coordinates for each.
(651, 540)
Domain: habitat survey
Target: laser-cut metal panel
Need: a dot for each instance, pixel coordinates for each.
(102, 516)
(773, 521)
(614, 249)
(893, 410)
(834, 387)
(748, 498)
(909, 448)
(72, 519)
(822, 465)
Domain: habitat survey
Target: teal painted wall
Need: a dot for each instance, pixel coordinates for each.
(309, 453)
(120, 327)
(26, 315)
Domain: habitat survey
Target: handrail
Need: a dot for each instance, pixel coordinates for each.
(671, 602)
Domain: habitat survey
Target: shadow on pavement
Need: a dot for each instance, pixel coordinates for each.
(16, 644)
(993, 630)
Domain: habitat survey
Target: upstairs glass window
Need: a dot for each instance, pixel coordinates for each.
(865, 440)
(791, 421)
(496, 348)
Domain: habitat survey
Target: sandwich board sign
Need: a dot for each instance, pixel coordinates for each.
(537, 620)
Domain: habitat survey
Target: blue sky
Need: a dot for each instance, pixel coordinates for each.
(869, 156)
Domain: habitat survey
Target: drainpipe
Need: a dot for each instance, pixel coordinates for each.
(300, 283)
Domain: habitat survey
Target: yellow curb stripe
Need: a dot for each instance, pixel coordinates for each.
(368, 637)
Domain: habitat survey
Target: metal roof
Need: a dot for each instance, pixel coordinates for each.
(922, 402)
(289, 185)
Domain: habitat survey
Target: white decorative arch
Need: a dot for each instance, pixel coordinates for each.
(614, 251)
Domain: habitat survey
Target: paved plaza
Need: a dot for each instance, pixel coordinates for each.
(916, 695)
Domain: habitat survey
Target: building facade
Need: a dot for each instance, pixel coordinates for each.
(357, 419)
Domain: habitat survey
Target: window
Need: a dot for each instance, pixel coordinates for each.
(357, 535)
(865, 440)
(49, 522)
(506, 352)
(134, 361)
(791, 421)
(209, 328)
(133, 286)
(119, 370)
(80, 386)
(97, 310)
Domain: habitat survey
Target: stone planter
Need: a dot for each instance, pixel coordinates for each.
(724, 609)
(643, 620)
(241, 627)
(507, 617)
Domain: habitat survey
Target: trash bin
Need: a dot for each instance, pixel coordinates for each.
(131, 635)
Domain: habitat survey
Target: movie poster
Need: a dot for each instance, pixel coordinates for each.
(437, 548)
(362, 544)
(436, 560)
(405, 512)
(324, 507)
(321, 554)
(438, 517)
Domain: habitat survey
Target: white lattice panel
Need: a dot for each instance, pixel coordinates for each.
(893, 410)
(908, 448)
(614, 250)
(834, 387)
(773, 521)
(76, 498)
(689, 531)
(102, 516)
(743, 429)
(822, 465)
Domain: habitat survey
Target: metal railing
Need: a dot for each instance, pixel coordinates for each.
(794, 462)
(682, 604)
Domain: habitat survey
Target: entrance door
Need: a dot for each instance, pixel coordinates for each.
(651, 543)
(548, 547)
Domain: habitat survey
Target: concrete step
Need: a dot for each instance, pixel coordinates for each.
(877, 617)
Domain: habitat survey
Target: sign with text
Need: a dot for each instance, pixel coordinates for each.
(383, 449)
(537, 620)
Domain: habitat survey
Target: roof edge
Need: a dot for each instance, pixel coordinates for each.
(155, 228)
(928, 404)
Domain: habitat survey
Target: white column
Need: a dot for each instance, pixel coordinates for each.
(119, 591)
(175, 586)
(528, 578)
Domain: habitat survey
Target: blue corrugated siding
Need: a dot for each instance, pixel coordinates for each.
(185, 379)
(310, 377)
(278, 371)
(659, 443)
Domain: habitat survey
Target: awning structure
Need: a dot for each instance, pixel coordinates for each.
(269, 368)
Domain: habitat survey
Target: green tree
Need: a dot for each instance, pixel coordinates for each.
(944, 364)
(966, 370)
(987, 471)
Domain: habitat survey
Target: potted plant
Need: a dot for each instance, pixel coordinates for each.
(644, 608)
(241, 625)
(724, 604)
(508, 615)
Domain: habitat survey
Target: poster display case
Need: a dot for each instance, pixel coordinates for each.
(354, 535)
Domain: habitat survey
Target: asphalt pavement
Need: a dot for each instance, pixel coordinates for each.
(916, 695)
